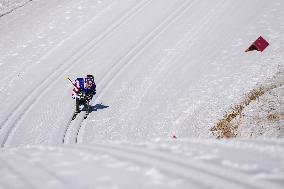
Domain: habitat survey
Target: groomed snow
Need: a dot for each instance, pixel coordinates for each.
(158, 164)
(7, 6)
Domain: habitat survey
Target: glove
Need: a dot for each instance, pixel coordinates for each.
(89, 96)
(78, 95)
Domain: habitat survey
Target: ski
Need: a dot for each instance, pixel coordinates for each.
(87, 111)
(75, 115)
(86, 115)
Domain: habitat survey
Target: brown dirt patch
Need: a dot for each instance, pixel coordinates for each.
(227, 127)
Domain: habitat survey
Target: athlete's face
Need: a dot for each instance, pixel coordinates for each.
(88, 84)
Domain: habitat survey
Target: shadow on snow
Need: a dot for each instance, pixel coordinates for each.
(97, 107)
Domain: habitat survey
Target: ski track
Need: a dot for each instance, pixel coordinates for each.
(122, 64)
(167, 157)
(41, 173)
(26, 105)
(15, 8)
(40, 167)
(13, 168)
(179, 166)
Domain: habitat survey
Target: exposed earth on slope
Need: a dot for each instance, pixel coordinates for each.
(260, 114)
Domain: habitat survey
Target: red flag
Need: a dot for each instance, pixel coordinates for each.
(260, 44)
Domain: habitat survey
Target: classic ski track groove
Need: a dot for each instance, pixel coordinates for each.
(37, 168)
(43, 168)
(22, 177)
(23, 108)
(177, 165)
(131, 55)
(14, 9)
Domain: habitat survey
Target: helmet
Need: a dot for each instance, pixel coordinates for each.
(90, 75)
(89, 78)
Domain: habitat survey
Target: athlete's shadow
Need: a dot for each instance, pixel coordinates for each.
(98, 107)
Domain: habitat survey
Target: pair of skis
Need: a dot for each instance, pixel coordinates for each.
(76, 113)
(87, 111)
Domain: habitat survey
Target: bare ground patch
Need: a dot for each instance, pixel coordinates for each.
(228, 126)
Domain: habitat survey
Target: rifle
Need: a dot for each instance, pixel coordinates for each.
(80, 90)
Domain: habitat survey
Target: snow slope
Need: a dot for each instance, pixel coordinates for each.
(158, 164)
(175, 73)
(163, 69)
(7, 6)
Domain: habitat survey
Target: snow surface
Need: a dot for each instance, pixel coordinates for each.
(163, 69)
(7, 6)
(158, 164)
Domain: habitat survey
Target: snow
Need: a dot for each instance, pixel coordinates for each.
(7, 6)
(196, 163)
(166, 73)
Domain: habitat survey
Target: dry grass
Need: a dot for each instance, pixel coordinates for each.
(275, 117)
(227, 127)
